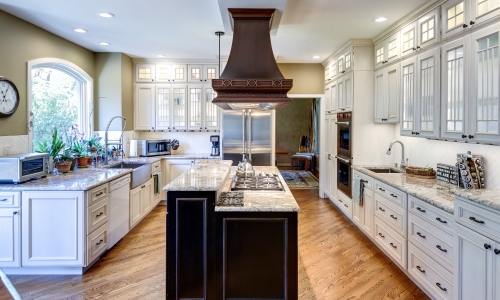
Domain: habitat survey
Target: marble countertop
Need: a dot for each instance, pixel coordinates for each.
(206, 175)
(435, 192)
(262, 201)
(78, 180)
(490, 198)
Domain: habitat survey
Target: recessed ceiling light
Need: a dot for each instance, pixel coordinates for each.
(80, 30)
(316, 56)
(105, 43)
(106, 15)
(161, 55)
(381, 19)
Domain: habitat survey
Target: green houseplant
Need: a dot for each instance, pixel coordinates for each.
(64, 161)
(80, 150)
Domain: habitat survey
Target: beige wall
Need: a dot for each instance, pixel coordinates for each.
(22, 42)
(128, 90)
(307, 78)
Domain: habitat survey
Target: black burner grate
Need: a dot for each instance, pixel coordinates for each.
(268, 182)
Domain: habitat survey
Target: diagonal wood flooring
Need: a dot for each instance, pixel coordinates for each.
(336, 261)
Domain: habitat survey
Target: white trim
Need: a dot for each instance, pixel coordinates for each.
(87, 90)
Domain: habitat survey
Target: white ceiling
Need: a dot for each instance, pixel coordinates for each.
(185, 29)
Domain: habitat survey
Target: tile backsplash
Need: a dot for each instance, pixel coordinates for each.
(189, 142)
(423, 152)
(13, 144)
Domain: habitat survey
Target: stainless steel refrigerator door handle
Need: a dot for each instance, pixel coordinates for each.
(244, 133)
(343, 123)
(347, 161)
(250, 135)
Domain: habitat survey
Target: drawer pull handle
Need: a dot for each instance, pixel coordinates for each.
(486, 246)
(496, 251)
(381, 235)
(420, 269)
(439, 286)
(395, 218)
(99, 242)
(346, 205)
(4, 199)
(381, 189)
(421, 235)
(439, 219)
(477, 221)
(102, 213)
(341, 200)
(380, 208)
(442, 249)
(420, 210)
(395, 196)
(393, 246)
(99, 194)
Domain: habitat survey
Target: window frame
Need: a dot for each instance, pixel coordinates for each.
(87, 93)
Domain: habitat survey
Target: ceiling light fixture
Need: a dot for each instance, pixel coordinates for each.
(381, 19)
(80, 30)
(161, 55)
(106, 15)
(105, 43)
(316, 56)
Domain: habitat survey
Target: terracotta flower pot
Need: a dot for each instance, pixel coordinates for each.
(90, 160)
(81, 161)
(63, 166)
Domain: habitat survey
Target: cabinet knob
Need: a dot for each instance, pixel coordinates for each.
(464, 136)
(414, 49)
(472, 23)
(412, 133)
(205, 127)
(143, 186)
(471, 136)
(486, 246)
(417, 133)
(418, 47)
(152, 128)
(496, 251)
(464, 26)
(173, 127)
(15, 213)
(201, 127)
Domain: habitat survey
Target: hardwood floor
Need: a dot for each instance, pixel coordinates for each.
(336, 261)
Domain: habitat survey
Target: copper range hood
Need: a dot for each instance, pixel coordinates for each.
(251, 79)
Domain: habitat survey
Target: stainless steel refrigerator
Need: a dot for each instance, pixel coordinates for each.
(250, 132)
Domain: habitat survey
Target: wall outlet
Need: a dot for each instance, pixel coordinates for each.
(6, 150)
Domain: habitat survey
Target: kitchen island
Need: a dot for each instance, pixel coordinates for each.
(224, 252)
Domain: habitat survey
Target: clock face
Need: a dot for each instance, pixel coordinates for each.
(9, 98)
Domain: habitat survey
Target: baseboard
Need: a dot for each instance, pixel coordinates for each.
(44, 271)
(162, 202)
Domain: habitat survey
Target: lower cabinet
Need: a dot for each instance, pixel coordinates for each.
(362, 214)
(10, 234)
(141, 202)
(53, 229)
(392, 242)
(179, 166)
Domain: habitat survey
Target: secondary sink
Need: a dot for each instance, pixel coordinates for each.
(140, 174)
(384, 170)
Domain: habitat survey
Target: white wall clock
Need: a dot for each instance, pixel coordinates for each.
(9, 97)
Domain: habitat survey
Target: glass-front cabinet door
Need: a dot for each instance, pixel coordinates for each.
(179, 107)
(455, 89)
(379, 55)
(163, 73)
(428, 30)
(195, 73)
(163, 103)
(408, 82)
(212, 111)
(195, 118)
(179, 73)
(145, 72)
(409, 39)
(210, 72)
(455, 16)
(484, 106)
(483, 10)
(427, 103)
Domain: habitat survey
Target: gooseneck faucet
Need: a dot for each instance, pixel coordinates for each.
(403, 165)
(118, 143)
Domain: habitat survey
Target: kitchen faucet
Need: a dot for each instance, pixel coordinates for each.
(403, 165)
(106, 141)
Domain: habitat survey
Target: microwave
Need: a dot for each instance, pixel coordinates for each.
(17, 168)
(153, 147)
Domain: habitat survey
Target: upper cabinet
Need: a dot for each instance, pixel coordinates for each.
(420, 34)
(387, 94)
(202, 114)
(462, 15)
(145, 72)
(166, 73)
(344, 62)
(202, 73)
(387, 51)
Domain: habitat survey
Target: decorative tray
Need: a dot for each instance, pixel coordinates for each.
(427, 173)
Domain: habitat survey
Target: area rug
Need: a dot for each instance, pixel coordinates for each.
(300, 179)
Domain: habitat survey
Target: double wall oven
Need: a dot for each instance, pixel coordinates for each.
(344, 152)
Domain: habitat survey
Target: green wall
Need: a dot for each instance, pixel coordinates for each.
(307, 78)
(22, 42)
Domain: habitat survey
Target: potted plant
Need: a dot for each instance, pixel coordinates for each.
(64, 161)
(45, 147)
(80, 151)
(100, 152)
(93, 142)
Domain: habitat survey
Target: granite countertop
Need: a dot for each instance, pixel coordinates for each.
(207, 175)
(435, 192)
(255, 201)
(78, 180)
(192, 156)
(490, 198)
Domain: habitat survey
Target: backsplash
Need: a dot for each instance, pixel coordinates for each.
(190, 142)
(423, 152)
(13, 144)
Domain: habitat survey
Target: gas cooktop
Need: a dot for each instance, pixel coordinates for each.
(261, 182)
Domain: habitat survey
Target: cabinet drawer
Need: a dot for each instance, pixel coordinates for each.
(345, 204)
(9, 199)
(97, 243)
(97, 194)
(391, 193)
(369, 180)
(478, 218)
(97, 215)
(434, 278)
(435, 216)
(392, 214)
(390, 241)
(155, 167)
(432, 241)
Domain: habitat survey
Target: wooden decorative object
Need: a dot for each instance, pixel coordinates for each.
(420, 172)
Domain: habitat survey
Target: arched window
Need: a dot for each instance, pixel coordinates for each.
(59, 95)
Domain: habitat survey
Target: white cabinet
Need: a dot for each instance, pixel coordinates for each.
(147, 196)
(343, 101)
(163, 73)
(202, 113)
(168, 73)
(179, 107)
(145, 72)
(328, 101)
(141, 202)
(461, 15)
(387, 51)
(10, 234)
(202, 73)
(53, 229)
(345, 62)
(363, 215)
(420, 34)
(387, 94)
(328, 156)
(163, 112)
(179, 166)
(144, 107)
(420, 95)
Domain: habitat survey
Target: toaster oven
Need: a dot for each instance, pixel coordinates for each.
(17, 168)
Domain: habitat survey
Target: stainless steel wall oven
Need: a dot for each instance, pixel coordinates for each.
(344, 152)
